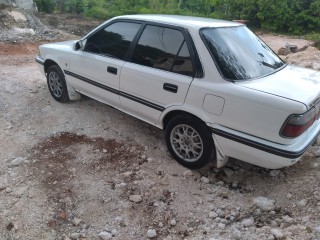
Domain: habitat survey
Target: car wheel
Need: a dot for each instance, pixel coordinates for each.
(189, 141)
(57, 84)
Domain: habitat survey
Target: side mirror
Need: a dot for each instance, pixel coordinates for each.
(77, 45)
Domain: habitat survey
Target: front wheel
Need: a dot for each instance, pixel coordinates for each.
(57, 84)
(189, 141)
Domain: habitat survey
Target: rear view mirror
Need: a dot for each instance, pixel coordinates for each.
(77, 45)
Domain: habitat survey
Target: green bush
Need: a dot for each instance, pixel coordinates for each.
(292, 16)
(47, 6)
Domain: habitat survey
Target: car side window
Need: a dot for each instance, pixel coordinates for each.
(114, 40)
(163, 48)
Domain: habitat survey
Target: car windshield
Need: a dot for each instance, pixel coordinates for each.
(239, 53)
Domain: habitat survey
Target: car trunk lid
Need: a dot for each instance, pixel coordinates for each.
(295, 83)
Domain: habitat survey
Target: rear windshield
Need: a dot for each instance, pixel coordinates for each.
(239, 53)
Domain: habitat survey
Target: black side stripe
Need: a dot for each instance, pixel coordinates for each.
(115, 91)
(144, 102)
(260, 146)
(109, 89)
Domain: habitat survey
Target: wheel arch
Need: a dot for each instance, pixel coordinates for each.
(48, 63)
(169, 114)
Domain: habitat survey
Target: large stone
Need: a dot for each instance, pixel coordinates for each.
(23, 4)
(135, 198)
(152, 233)
(17, 161)
(248, 222)
(105, 235)
(264, 204)
(277, 233)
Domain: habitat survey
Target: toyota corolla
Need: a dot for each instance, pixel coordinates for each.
(214, 87)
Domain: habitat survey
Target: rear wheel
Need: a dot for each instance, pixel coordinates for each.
(57, 84)
(189, 141)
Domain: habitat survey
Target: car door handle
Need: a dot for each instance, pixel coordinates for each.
(170, 87)
(112, 70)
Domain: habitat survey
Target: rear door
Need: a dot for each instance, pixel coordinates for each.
(95, 71)
(158, 75)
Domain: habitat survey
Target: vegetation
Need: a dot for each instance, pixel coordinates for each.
(292, 16)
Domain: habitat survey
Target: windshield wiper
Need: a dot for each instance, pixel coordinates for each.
(265, 63)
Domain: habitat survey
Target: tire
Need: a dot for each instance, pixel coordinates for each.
(192, 152)
(57, 84)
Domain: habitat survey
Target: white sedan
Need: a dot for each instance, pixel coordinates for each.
(216, 89)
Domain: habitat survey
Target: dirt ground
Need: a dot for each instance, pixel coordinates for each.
(84, 170)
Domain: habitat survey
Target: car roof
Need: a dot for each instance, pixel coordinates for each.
(182, 21)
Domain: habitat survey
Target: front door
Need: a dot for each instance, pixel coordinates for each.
(95, 70)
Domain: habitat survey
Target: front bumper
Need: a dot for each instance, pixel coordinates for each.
(40, 63)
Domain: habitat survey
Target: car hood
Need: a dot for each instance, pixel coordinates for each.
(65, 43)
(59, 45)
(295, 83)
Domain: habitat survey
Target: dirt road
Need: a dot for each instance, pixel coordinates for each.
(84, 170)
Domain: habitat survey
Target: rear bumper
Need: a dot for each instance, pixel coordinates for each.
(261, 152)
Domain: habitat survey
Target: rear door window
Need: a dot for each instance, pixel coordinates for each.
(163, 48)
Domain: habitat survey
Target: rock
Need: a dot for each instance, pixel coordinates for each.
(205, 180)
(120, 185)
(114, 232)
(127, 174)
(8, 190)
(74, 236)
(317, 229)
(3, 183)
(76, 221)
(317, 153)
(270, 237)
(228, 172)
(105, 235)
(288, 219)
(168, 238)
(188, 173)
(3, 186)
(236, 235)
(248, 222)
(206, 229)
(305, 219)
(277, 233)
(63, 215)
(264, 204)
(173, 222)
(213, 214)
(20, 191)
(221, 226)
(302, 203)
(151, 233)
(17, 161)
(135, 198)
(274, 173)
(289, 195)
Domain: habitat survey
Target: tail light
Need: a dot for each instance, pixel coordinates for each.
(297, 124)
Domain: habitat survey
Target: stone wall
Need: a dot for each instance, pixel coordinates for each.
(23, 4)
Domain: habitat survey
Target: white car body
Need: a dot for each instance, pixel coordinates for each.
(245, 117)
